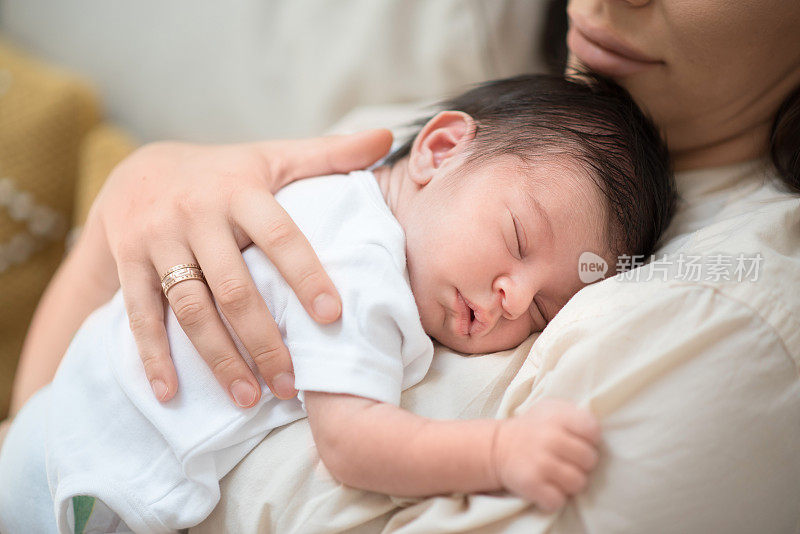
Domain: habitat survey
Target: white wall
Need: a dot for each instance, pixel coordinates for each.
(227, 70)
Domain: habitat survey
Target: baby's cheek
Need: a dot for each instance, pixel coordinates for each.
(517, 332)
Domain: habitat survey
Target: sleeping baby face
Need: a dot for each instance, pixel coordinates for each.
(493, 246)
(493, 255)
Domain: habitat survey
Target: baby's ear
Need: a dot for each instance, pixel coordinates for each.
(442, 138)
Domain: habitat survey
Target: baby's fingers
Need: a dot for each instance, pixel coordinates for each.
(548, 498)
(566, 476)
(577, 451)
(583, 424)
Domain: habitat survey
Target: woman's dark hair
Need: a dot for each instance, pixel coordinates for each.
(784, 142)
(553, 43)
(592, 122)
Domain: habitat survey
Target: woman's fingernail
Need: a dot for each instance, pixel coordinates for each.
(159, 388)
(326, 307)
(283, 384)
(243, 393)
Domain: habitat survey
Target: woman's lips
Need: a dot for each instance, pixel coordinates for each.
(602, 52)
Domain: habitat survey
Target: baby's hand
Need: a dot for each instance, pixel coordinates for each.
(546, 454)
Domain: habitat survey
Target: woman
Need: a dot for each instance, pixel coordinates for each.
(721, 80)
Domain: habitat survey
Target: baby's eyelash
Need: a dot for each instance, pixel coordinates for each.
(518, 237)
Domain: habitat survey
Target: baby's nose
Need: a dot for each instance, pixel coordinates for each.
(514, 299)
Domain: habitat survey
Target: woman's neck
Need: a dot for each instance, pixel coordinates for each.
(730, 133)
(749, 144)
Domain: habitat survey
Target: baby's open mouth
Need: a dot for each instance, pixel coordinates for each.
(465, 315)
(470, 322)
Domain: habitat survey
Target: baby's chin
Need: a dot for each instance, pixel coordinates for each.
(478, 345)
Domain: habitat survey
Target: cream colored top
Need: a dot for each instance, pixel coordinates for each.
(693, 373)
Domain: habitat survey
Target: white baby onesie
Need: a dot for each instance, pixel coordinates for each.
(157, 465)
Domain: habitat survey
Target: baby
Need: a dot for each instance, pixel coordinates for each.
(470, 233)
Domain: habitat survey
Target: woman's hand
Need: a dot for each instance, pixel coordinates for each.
(171, 203)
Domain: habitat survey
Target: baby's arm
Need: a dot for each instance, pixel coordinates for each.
(543, 455)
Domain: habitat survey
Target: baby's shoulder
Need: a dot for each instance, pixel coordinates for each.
(344, 213)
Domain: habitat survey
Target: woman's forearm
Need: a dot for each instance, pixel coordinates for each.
(379, 447)
(86, 279)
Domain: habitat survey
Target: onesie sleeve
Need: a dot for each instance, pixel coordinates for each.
(378, 347)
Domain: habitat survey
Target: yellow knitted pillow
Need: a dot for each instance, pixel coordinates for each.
(102, 149)
(44, 117)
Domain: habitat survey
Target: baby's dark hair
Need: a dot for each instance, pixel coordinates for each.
(591, 121)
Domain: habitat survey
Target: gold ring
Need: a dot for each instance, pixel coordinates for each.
(180, 273)
(179, 266)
